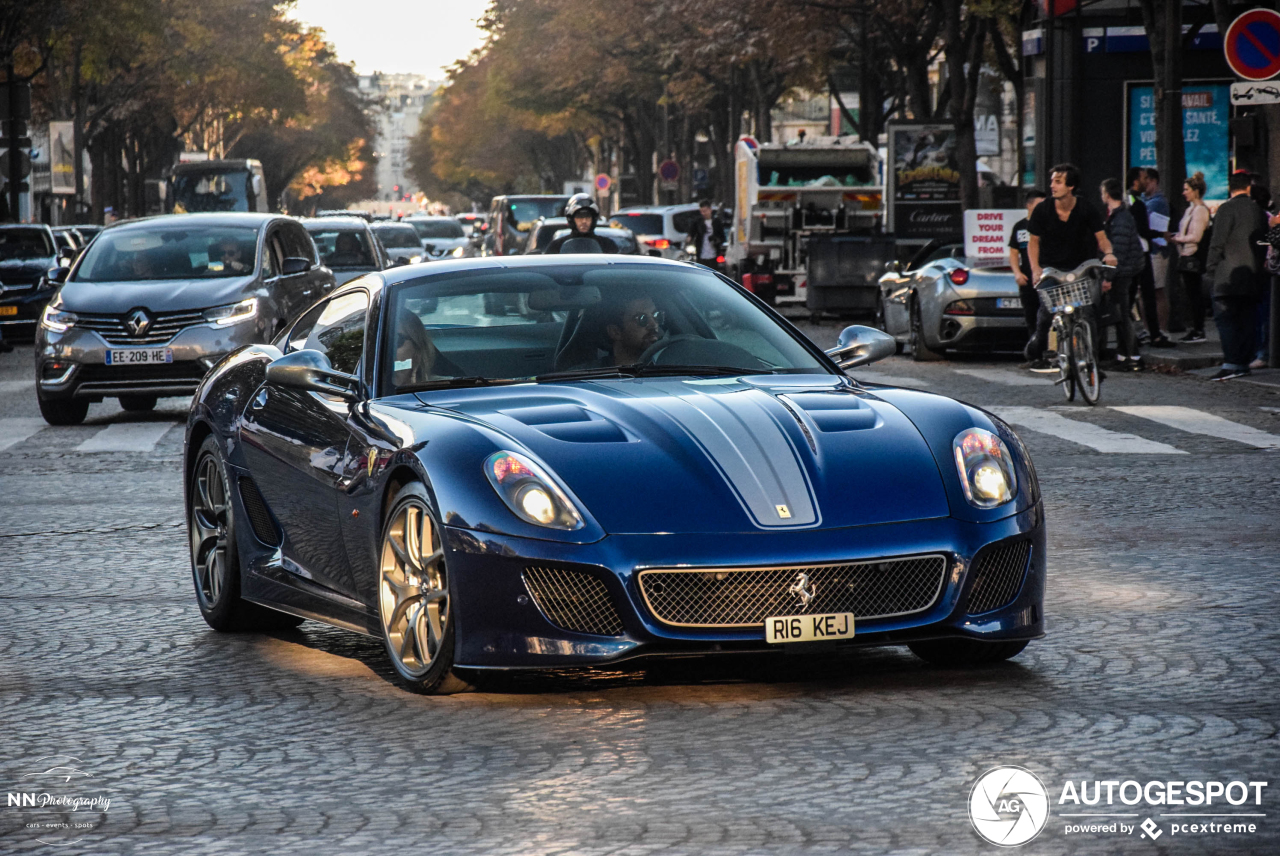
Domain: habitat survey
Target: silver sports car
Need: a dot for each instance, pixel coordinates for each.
(940, 303)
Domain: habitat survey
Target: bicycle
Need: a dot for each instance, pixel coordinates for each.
(1070, 296)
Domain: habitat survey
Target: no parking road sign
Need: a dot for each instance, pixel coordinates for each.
(1252, 44)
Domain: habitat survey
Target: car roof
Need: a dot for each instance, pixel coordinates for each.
(331, 223)
(657, 209)
(253, 219)
(423, 217)
(377, 225)
(393, 276)
(8, 227)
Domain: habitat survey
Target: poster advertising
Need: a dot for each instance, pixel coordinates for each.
(62, 158)
(987, 233)
(924, 179)
(1206, 110)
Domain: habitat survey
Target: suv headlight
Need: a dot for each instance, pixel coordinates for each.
(529, 492)
(232, 313)
(57, 319)
(985, 467)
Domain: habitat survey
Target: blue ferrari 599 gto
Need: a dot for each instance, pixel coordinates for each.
(549, 461)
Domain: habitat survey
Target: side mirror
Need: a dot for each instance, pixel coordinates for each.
(58, 275)
(859, 346)
(311, 371)
(893, 267)
(293, 265)
(66, 256)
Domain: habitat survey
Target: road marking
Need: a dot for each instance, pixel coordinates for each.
(15, 430)
(16, 385)
(126, 437)
(1084, 433)
(891, 380)
(1008, 378)
(1198, 422)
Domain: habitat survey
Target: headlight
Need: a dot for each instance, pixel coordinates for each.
(57, 319)
(985, 467)
(460, 252)
(529, 492)
(413, 260)
(233, 313)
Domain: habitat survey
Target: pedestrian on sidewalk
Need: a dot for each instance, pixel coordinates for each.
(1195, 221)
(1021, 262)
(1146, 284)
(1158, 205)
(1127, 248)
(1233, 269)
(1066, 231)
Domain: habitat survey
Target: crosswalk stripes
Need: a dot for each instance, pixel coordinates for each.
(14, 430)
(1198, 422)
(1008, 378)
(1083, 433)
(126, 437)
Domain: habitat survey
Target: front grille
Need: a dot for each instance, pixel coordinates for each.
(178, 370)
(264, 527)
(997, 576)
(730, 597)
(574, 600)
(164, 326)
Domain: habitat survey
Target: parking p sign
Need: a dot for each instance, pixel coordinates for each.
(1252, 44)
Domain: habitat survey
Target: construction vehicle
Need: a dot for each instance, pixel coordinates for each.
(810, 202)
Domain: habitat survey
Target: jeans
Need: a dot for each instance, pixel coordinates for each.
(1030, 307)
(1118, 298)
(1195, 299)
(1234, 317)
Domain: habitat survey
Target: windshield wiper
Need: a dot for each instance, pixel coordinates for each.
(454, 382)
(639, 370)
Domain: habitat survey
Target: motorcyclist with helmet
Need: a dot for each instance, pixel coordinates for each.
(582, 213)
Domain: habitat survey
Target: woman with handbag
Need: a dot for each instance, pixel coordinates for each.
(1190, 260)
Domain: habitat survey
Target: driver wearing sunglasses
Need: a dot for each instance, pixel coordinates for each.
(636, 326)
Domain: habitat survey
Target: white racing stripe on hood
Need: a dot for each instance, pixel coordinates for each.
(733, 426)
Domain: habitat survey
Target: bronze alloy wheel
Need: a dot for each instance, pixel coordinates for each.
(414, 602)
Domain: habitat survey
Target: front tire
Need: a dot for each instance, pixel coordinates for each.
(215, 561)
(415, 599)
(963, 653)
(63, 411)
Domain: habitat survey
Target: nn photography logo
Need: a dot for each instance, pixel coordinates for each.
(1008, 806)
(55, 800)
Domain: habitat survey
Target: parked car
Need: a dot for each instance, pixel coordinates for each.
(509, 486)
(511, 217)
(400, 242)
(346, 246)
(544, 232)
(440, 236)
(939, 302)
(152, 304)
(470, 221)
(68, 240)
(660, 230)
(27, 252)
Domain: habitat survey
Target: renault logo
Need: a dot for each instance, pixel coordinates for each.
(138, 322)
(803, 589)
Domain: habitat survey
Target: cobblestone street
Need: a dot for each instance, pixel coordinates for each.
(1160, 663)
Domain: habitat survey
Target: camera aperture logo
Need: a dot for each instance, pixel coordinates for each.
(53, 801)
(1008, 806)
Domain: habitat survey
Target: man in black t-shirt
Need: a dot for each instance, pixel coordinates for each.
(1066, 231)
(1021, 262)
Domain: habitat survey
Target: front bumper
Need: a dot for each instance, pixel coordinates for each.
(501, 625)
(195, 350)
(26, 307)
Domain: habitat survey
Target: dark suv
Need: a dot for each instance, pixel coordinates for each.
(26, 255)
(510, 218)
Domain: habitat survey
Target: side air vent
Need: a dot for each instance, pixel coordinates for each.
(573, 600)
(997, 576)
(264, 527)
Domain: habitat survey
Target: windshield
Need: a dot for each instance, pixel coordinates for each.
(525, 211)
(220, 191)
(437, 228)
(641, 224)
(522, 323)
(24, 244)
(166, 251)
(399, 237)
(341, 248)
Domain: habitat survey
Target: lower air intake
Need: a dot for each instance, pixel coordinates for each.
(573, 600)
(997, 576)
(264, 528)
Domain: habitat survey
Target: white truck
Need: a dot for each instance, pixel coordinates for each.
(790, 198)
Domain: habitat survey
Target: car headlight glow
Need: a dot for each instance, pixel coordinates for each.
(232, 313)
(985, 468)
(57, 319)
(529, 492)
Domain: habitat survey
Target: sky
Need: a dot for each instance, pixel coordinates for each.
(397, 36)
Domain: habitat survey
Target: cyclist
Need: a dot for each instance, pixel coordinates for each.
(1065, 232)
(581, 212)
